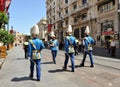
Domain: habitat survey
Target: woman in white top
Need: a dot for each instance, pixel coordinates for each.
(113, 47)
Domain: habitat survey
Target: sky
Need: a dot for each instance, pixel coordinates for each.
(24, 14)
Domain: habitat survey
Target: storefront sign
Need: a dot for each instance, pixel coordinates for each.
(107, 32)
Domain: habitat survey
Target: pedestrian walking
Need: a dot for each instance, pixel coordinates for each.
(25, 47)
(76, 47)
(34, 53)
(69, 44)
(113, 47)
(54, 47)
(108, 46)
(87, 42)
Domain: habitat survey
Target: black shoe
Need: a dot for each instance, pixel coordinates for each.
(31, 76)
(92, 66)
(64, 68)
(81, 65)
(72, 70)
(38, 79)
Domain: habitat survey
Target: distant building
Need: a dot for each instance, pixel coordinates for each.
(19, 38)
(43, 29)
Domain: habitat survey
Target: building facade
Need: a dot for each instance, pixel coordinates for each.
(19, 38)
(100, 15)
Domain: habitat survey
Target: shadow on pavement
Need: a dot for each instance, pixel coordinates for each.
(57, 70)
(46, 62)
(16, 79)
(20, 58)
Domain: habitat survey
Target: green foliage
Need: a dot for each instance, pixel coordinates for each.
(5, 37)
(3, 18)
(11, 38)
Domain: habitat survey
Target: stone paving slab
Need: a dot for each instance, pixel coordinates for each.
(16, 69)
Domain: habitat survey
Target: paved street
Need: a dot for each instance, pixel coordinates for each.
(15, 71)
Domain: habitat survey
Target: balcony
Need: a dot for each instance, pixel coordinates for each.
(81, 8)
(101, 1)
(66, 5)
(66, 15)
(58, 19)
(84, 6)
(80, 21)
(73, 11)
(72, 1)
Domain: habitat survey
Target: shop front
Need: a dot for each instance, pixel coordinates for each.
(107, 31)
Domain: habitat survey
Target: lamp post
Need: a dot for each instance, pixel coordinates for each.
(119, 22)
(8, 21)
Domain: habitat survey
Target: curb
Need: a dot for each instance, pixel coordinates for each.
(2, 60)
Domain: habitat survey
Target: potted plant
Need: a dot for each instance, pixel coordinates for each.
(5, 38)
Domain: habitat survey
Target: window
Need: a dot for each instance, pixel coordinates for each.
(53, 10)
(76, 19)
(75, 6)
(84, 16)
(106, 7)
(76, 33)
(54, 26)
(66, 1)
(82, 31)
(54, 18)
(107, 26)
(66, 11)
(66, 22)
(84, 1)
(59, 14)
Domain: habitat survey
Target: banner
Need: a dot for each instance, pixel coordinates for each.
(49, 27)
(2, 5)
(7, 5)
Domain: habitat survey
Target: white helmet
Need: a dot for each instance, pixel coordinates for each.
(69, 31)
(35, 30)
(52, 34)
(87, 30)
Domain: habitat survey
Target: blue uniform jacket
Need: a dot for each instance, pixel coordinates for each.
(88, 40)
(39, 46)
(66, 43)
(56, 45)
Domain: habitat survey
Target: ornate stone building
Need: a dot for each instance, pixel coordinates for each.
(100, 15)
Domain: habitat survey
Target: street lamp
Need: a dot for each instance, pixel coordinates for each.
(8, 21)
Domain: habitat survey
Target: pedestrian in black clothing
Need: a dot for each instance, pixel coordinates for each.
(25, 47)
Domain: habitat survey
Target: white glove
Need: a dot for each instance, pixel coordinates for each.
(29, 58)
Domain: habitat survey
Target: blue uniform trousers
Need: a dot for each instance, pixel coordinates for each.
(38, 68)
(54, 54)
(90, 56)
(71, 55)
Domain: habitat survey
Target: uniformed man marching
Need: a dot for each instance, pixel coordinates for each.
(69, 43)
(88, 41)
(34, 52)
(54, 47)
